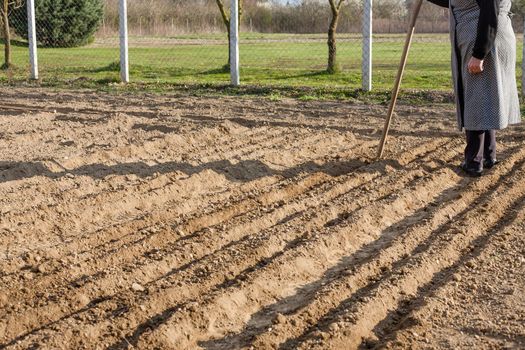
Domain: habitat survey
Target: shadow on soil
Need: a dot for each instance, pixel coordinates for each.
(305, 295)
(262, 320)
(396, 319)
(400, 318)
(244, 171)
(249, 170)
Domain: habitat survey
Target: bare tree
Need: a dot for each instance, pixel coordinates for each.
(7, 6)
(335, 6)
(226, 20)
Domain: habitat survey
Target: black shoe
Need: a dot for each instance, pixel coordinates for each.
(490, 163)
(473, 171)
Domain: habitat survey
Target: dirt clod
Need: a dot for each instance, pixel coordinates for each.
(137, 287)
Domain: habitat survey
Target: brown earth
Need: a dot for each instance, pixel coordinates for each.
(222, 223)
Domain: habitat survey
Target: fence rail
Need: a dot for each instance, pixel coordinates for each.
(154, 48)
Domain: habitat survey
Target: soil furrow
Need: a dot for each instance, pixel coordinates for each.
(428, 259)
(145, 221)
(128, 202)
(322, 219)
(290, 267)
(371, 261)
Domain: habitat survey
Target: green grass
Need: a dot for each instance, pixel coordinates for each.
(276, 60)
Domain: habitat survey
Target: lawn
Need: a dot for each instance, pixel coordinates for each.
(266, 59)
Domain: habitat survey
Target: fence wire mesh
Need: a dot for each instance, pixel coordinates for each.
(14, 49)
(83, 50)
(428, 65)
(282, 42)
(179, 42)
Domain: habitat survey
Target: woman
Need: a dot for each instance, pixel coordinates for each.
(484, 74)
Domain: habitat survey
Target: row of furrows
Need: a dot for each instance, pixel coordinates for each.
(171, 111)
(316, 115)
(280, 265)
(159, 184)
(226, 106)
(43, 134)
(203, 134)
(252, 114)
(168, 183)
(46, 127)
(91, 245)
(141, 239)
(341, 193)
(349, 282)
(373, 272)
(324, 120)
(358, 315)
(115, 198)
(188, 105)
(266, 115)
(94, 115)
(243, 144)
(198, 148)
(246, 208)
(112, 194)
(92, 172)
(77, 250)
(262, 185)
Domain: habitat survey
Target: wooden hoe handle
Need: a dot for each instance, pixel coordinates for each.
(401, 70)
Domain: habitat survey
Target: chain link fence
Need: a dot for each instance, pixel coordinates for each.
(186, 42)
(429, 60)
(14, 49)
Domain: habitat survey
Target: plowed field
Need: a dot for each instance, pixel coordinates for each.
(221, 223)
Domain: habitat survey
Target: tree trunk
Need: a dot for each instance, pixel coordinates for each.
(226, 21)
(7, 35)
(332, 45)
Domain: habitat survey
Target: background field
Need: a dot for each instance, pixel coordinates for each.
(266, 59)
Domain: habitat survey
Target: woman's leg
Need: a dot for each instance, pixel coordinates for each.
(490, 148)
(475, 148)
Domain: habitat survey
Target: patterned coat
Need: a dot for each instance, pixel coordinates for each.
(489, 100)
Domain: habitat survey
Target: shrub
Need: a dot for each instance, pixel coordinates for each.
(62, 23)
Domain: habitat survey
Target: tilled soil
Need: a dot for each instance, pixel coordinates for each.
(221, 223)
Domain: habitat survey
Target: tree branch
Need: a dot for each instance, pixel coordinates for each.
(240, 10)
(10, 4)
(333, 6)
(224, 15)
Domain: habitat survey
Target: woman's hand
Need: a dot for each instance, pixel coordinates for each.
(475, 65)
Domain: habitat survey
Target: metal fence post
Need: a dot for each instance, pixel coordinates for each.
(31, 30)
(367, 46)
(234, 43)
(124, 52)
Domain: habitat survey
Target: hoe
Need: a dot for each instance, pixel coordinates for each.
(401, 70)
